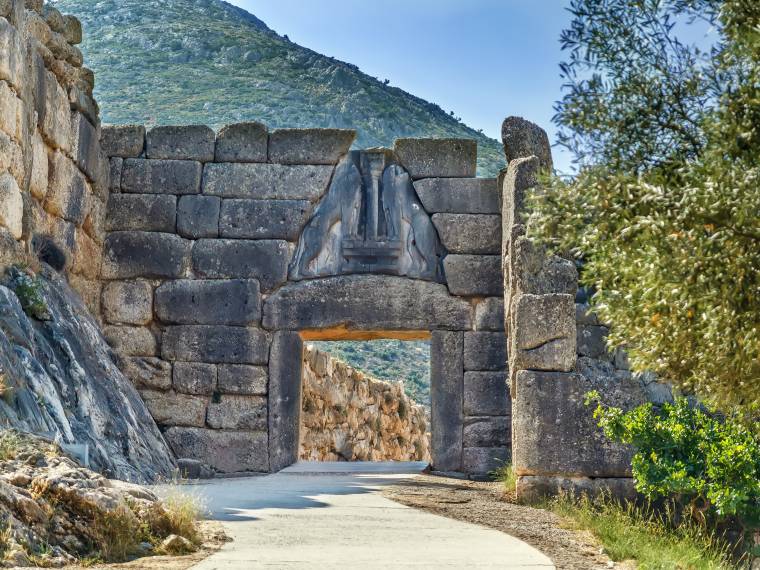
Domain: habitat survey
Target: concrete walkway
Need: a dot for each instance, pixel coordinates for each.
(315, 517)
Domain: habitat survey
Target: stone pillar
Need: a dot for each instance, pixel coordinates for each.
(285, 374)
(446, 394)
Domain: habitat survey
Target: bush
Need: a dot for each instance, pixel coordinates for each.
(707, 463)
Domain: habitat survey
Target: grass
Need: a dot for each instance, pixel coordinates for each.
(505, 474)
(628, 532)
(9, 445)
(181, 512)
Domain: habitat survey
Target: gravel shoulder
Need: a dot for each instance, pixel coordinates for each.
(487, 504)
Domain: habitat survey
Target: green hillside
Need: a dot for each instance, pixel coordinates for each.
(206, 61)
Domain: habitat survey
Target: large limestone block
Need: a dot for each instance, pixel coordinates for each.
(366, 302)
(555, 433)
(522, 139)
(87, 256)
(266, 181)
(68, 190)
(144, 176)
(215, 344)
(141, 212)
(592, 342)
(459, 195)
(206, 302)
(469, 233)
(285, 373)
(171, 409)
(125, 141)
(11, 251)
(147, 372)
(127, 302)
(11, 54)
(225, 451)
(12, 159)
(484, 460)
(85, 147)
(538, 273)
(485, 351)
(242, 142)
(544, 335)
(438, 158)
(489, 314)
(193, 142)
(72, 29)
(486, 394)
(11, 206)
(145, 254)
(195, 378)
(309, 146)
(487, 432)
(53, 114)
(535, 488)
(38, 184)
(131, 341)
(520, 177)
(446, 395)
(10, 112)
(115, 167)
(265, 260)
(238, 412)
(474, 275)
(263, 219)
(242, 379)
(198, 216)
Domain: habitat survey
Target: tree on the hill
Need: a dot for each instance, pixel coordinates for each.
(665, 207)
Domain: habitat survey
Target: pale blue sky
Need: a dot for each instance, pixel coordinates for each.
(482, 59)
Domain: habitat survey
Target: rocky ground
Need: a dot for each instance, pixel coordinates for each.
(487, 504)
(55, 513)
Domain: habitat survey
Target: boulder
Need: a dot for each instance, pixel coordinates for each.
(522, 139)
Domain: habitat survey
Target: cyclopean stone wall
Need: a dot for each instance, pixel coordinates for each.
(53, 174)
(349, 416)
(557, 351)
(225, 251)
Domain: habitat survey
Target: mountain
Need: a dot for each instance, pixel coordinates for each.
(206, 61)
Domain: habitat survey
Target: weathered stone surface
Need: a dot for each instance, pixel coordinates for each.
(147, 372)
(95, 221)
(215, 344)
(489, 314)
(486, 394)
(265, 260)
(142, 212)
(225, 451)
(263, 219)
(459, 196)
(85, 146)
(446, 395)
(365, 302)
(484, 460)
(125, 141)
(592, 342)
(171, 409)
(115, 167)
(530, 488)
(11, 206)
(53, 112)
(10, 112)
(540, 274)
(242, 379)
(485, 351)
(238, 412)
(198, 216)
(487, 432)
(521, 176)
(144, 254)
(87, 259)
(11, 54)
(584, 315)
(205, 302)
(194, 378)
(309, 146)
(474, 275)
(544, 336)
(555, 432)
(143, 176)
(11, 251)
(127, 302)
(12, 160)
(72, 29)
(469, 233)
(38, 183)
(285, 373)
(193, 142)
(266, 181)
(242, 142)
(131, 341)
(522, 139)
(67, 190)
(438, 158)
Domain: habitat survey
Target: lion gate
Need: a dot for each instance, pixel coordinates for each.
(225, 252)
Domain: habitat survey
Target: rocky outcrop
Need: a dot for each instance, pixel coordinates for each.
(348, 416)
(59, 378)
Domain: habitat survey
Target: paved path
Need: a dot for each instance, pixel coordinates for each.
(302, 519)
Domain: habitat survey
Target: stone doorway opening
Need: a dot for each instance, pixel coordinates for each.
(366, 398)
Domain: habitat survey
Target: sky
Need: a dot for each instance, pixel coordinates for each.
(482, 59)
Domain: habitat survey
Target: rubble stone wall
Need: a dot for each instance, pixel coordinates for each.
(348, 416)
(201, 301)
(53, 174)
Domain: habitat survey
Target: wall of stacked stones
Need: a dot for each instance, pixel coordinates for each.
(349, 416)
(197, 300)
(53, 174)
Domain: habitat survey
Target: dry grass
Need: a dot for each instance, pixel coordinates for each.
(178, 514)
(10, 443)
